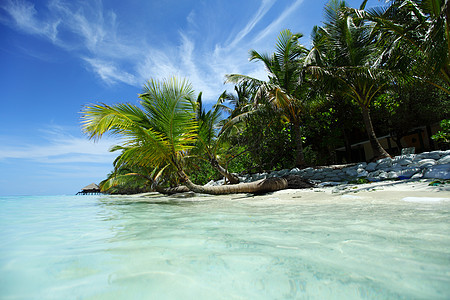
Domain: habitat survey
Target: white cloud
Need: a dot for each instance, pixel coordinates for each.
(24, 14)
(58, 146)
(92, 34)
(275, 26)
(263, 9)
(111, 73)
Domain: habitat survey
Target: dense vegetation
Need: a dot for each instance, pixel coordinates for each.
(368, 73)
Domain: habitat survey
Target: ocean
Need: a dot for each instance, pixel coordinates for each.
(235, 247)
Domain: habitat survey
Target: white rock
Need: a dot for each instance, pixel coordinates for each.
(384, 163)
(417, 176)
(444, 160)
(426, 163)
(361, 165)
(294, 171)
(383, 175)
(408, 173)
(391, 175)
(439, 172)
(429, 155)
(362, 173)
(403, 161)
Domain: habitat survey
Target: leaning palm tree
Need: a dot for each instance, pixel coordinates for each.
(343, 56)
(161, 133)
(209, 139)
(286, 88)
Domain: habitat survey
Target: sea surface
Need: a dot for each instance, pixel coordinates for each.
(102, 247)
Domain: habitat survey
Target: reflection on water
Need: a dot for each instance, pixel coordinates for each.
(230, 247)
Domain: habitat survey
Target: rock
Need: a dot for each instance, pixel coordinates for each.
(371, 167)
(438, 172)
(294, 171)
(384, 163)
(374, 176)
(417, 176)
(444, 160)
(429, 155)
(318, 176)
(426, 163)
(335, 179)
(361, 165)
(210, 183)
(391, 175)
(383, 175)
(351, 172)
(297, 182)
(362, 173)
(403, 161)
(328, 183)
(407, 173)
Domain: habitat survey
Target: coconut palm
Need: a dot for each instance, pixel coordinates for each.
(160, 134)
(419, 25)
(343, 56)
(209, 138)
(286, 88)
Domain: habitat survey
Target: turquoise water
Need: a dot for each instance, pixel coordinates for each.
(99, 247)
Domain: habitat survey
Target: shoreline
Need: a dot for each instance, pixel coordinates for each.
(411, 190)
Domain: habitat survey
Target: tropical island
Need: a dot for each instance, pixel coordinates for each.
(371, 92)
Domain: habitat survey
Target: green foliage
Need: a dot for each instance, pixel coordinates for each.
(439, 182)
(156, 136)
(201, 172)
(267, 141)
(361, 180)
(444, 134)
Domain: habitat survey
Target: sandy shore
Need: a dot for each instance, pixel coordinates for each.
(405, 191)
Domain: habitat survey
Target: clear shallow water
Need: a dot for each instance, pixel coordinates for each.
(97, 247)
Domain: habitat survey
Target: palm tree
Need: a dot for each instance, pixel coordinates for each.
(419, 25)
(286, 88)
(161, 134)
(343, 57)
(209, 137)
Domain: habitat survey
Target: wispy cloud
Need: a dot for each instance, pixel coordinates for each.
(23, 14)
(275, 25)
(92, 34)
(57, 145)
(263, 9)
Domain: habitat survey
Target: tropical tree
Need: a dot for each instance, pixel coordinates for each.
(160, 134)
(343, 56)
(286, 89)
(209, 139)
(420, 30)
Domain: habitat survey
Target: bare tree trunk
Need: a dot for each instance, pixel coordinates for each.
(299, 157)
(233, 179)
(377, 149)
(256, 187)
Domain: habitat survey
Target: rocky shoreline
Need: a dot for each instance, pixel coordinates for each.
(435, 165)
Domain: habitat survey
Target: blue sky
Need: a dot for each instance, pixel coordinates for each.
(59, 55)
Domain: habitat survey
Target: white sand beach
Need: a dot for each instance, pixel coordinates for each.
(419, 191)
(405, 190)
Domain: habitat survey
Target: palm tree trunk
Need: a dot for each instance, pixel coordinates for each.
(233, 179)
(256, 187)
(377, 149)
(172, 190)
(299, 157)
